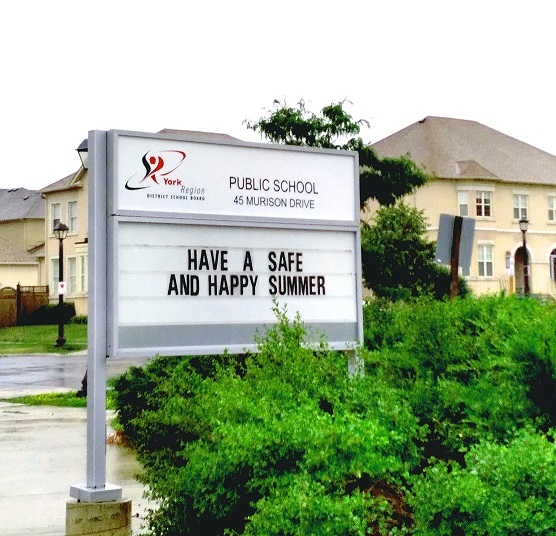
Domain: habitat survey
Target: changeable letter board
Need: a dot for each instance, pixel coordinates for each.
(205, 238)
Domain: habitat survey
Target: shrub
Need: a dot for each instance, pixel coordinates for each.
(470, 368)
(81, 319)
(281, 443)
(503, 490)
(285, 442)
(51, 314)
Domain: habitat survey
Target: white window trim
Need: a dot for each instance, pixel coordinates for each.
(524, 194)
(54, 276)
(548, 208)
(485, 243)
(73, 231)
(484, 190)
(460, 204)
(72, 292)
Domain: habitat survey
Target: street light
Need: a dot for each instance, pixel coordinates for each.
(524, 226)
(60, 232)
(83, 152)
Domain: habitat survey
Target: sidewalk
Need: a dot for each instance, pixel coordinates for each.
(43, 453)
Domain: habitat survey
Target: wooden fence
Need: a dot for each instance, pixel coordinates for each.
(16, 304)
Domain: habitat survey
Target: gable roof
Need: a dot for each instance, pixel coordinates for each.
(67, 183)
(463, 149)
(20, 204)
(11, 254)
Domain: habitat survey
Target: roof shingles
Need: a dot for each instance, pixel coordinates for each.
(20, 204)
(446, 146)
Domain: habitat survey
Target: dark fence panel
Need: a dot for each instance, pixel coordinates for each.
(8, 307)
(29, 299)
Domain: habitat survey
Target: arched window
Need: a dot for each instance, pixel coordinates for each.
(522, 271)
(553, 268)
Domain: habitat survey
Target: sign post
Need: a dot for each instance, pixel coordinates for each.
(192, 241)
(454, 246)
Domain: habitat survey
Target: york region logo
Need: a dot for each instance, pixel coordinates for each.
(158, 166)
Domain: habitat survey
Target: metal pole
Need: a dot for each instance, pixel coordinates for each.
(525, 266)
(97, 489)
(454, 256)
(60, 341)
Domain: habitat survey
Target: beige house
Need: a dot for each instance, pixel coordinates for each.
(21, 238)
(481, 173)
(66, 202)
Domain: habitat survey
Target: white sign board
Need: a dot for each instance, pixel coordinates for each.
(205, 238)
(188, 177)
(62, 289)
(203, 286)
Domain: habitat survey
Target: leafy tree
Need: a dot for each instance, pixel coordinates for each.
(398, 260)
(383, 179)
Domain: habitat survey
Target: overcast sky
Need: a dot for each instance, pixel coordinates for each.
(69, 67)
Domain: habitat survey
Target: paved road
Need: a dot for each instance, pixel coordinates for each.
(43, 449)
(48, 373)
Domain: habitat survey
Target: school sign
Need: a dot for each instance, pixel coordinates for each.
(193, 241)
(203, 238)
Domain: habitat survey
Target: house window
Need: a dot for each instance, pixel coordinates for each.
(72, 216)
(55, 215)
(486, 260)
(552, 208)
(463, 202)
(83, 272)
(484, 204)
(520, 207)
(54, 273)
(72, 275)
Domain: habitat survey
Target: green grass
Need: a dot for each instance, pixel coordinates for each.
(41, 339)
(66, 400)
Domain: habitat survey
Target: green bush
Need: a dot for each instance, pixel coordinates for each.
(81, 319)
(51, 314)
(281, 443)
(471, 368)
(503, 490)
(448, 431)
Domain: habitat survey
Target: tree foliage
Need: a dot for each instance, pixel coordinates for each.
(398, 260)
(382, 179)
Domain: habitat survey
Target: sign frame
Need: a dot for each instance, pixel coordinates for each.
(348, 222)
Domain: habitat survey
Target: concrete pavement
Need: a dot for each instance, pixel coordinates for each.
(49, 373)
(43, 453)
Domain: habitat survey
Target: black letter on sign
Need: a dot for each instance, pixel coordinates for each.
(173, 285)
(248, 263)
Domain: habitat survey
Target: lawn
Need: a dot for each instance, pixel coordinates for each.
(41, 339)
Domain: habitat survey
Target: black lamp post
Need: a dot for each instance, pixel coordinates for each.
(83, 152)
(60, 232)
(524, 226)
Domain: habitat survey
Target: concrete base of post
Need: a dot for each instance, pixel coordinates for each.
(111, 518)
